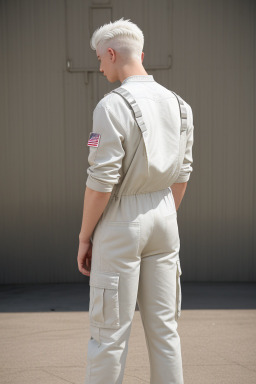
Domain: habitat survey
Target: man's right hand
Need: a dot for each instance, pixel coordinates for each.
(178, 191)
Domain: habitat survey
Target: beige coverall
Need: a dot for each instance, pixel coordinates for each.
(135, 253)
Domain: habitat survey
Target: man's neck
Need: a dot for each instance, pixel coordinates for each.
(139, 71)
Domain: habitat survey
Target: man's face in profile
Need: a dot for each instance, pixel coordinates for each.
(108, 64)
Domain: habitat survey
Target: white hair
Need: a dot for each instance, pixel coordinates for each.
(123, 36)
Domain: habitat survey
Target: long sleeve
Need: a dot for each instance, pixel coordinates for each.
(186, 167)
(105, 159)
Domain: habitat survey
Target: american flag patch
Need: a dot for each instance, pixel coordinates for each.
(94, 139)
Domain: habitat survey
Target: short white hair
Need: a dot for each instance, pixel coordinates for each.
(123, 36)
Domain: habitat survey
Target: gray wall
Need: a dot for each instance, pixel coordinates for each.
(46, 116)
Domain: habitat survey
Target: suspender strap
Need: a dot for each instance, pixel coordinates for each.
(183, 113)
(128, 97)
(138, 114)
(136, 109)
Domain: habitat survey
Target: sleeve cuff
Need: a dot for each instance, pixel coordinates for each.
(182, 179)
(98, 186)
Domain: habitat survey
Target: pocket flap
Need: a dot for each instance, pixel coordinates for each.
(109, 280)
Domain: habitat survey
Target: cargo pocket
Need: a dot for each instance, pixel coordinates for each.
(104, 299)
(178, 290)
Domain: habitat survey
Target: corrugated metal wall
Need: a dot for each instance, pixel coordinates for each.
(46, 116)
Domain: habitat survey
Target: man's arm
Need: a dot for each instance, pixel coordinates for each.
(180, 185)
(94, 204)
(178, 191)
(105, 168)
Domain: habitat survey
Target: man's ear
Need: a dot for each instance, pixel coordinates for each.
(112, 54)
(142, 56)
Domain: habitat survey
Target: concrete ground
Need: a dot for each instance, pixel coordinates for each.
(44, 331)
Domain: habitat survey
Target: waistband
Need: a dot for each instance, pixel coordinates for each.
(116, 195)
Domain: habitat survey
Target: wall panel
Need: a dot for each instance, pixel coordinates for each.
(46, 116)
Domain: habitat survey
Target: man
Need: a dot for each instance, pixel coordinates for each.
(140, 161)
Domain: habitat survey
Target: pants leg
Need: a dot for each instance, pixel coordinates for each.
(159, 300)
(136, 257)
(114, 281)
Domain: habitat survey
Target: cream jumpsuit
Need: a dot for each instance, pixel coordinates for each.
(135, 253)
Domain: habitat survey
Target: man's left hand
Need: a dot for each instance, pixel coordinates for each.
(84, 257)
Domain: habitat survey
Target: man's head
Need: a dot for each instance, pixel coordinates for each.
(119, 47)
